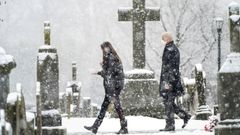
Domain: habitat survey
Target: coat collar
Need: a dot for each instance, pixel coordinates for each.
(170, 43)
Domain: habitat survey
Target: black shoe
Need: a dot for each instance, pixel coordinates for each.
(124, 129)
(92, 129)
(170, 128)
(185, 120)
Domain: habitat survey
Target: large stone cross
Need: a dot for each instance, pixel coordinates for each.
(139, 15)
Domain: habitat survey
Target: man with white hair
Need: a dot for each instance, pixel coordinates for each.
(170, 83)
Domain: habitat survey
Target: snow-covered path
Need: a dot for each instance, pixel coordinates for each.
(137, 125)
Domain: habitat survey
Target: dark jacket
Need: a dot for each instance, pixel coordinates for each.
(170, 69)
(113, 75)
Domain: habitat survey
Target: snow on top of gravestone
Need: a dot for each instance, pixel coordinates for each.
(43, 55)
(13, 97)
(189, 81)
(232, 64)
(139, 71)
(2, 51)
(233, 4)
(234, 18)
(69, 91)
(50, 112)
(5, 59)
(199, 67)
(30, 116)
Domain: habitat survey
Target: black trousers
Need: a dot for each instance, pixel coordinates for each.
(171, 108)
(105, 104)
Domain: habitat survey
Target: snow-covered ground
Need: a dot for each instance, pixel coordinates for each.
(137, 125)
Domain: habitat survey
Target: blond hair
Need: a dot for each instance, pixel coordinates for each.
(168, 36)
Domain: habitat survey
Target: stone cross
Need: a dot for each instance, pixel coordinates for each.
(139, 15)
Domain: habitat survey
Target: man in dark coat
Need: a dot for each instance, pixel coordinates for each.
(170, 83)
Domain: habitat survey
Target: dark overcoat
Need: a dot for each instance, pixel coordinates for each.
(170, 70)
(113, 75)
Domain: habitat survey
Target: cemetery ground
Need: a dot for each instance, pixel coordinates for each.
(137, 125)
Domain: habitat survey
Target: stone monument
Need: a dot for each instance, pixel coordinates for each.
(229, 80)
(48, 77)
(7, 63)
(141, 94)
(48, 72)
(76, 91)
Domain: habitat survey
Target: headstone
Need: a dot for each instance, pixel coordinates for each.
(95, 109)
(16, 113)
(6, 128)
(69, 101)
(192, 97)
(76, 91)
(86, 107)
(48, 72)
(39, 110)
(62, 102)
(7, 63)
(229, 80)
(141, 94)
(48, 76)
(200, 85)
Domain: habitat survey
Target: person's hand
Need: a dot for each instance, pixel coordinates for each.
(94, 73)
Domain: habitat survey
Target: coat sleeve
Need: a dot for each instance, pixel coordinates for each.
(171, 66)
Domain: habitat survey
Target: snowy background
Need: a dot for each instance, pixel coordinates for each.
(80, 26)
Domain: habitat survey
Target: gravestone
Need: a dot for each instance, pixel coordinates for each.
(228, 83)
(69, 101)
(48, 77)
(16, 113)
(62, 102)
(94, 110)
(48, 72)
(141, 94)
(7, 63)
(6, 128)
(76, 91)
(39, 110)
(191, 101)
(86, 107)
(200, 84)
(196, 100)
(203, 112)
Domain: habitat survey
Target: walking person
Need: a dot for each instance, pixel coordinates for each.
(113, 81)
(170, 83)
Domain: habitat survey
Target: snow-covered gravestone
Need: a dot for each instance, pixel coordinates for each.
(76, 91)
(48, 76)
(86, 107)
(48, 72)
(229, 80)
(190, 98)
(94, 110)
(203, 112)
(16, 113)
(141, 94)
(7, 63)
